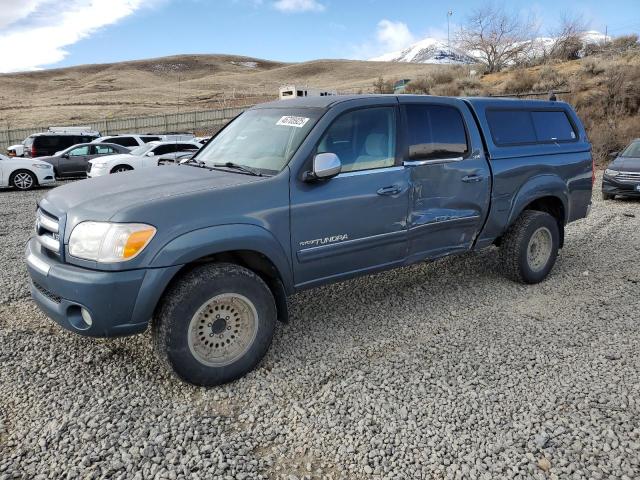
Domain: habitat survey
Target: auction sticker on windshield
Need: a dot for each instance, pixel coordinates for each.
(290, 121)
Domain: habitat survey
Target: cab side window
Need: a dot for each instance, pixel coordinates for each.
(362, 139)
(124, 141)
(164, 149)
(438, 130)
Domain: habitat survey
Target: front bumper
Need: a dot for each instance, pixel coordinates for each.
(611, 186)
(46, 177)
(119, 303)
(97, 171)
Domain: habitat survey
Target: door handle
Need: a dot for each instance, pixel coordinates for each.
(391, 190)
(472, 178)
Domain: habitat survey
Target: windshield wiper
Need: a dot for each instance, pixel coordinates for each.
(192, 162)
(242, 168)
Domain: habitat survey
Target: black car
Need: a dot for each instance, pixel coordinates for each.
(73, 161)
(622, 176)
(48, 143)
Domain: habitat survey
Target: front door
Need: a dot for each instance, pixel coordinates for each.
(75, 164)
(450, 184)
(356, 221)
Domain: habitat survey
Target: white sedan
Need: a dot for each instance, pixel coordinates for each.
(148, 155)
(24, 173)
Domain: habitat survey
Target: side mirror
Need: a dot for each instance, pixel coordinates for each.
(150, 154)
(613, 154)
(65, 155)
(325, 166)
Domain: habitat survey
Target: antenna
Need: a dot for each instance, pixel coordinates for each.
(449, 14)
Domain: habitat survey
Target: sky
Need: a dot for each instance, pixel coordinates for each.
(37, 34)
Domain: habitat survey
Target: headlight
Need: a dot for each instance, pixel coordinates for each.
(39, 165)
(106, 242)
(98, 164)
(611, 173)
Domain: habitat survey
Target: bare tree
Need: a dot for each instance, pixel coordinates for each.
(497, 38)
(567, 39)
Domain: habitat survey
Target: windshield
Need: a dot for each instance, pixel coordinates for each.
(263, 139)
(632, 150)
(142, 149)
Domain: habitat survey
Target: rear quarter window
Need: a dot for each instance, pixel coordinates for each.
(552, 126)
(515, 127)
(47, 141)
(124, 141)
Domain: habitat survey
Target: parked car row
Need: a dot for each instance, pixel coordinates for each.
(152, 154)
(24, 174)
(76, 152)
(56, 139)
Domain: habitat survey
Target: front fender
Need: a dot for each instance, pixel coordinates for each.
(225, 238)
(537, 187)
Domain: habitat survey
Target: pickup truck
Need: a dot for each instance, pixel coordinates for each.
(295, 194)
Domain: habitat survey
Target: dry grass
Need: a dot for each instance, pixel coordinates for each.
(171, 84)
(604, 88)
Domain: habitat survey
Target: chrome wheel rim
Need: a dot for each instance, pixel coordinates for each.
(121, 169)
(223, 329)
(23, 181)
(539, 249)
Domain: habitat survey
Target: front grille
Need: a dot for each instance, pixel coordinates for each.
(47, 230)
(89, 165)
(628, 176)
(50, 295)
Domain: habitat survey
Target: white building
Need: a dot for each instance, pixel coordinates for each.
(294, 91)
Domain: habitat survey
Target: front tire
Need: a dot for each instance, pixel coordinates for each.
(530, 247)
(121, 168)
(215, 324)
(23, 180)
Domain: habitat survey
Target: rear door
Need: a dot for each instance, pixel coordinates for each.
(449, 176)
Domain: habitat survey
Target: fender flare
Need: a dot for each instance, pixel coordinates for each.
(538, 187)
(208, 241)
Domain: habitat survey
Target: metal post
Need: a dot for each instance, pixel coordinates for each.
(449, 14)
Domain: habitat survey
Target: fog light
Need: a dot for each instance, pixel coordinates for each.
(86, 316)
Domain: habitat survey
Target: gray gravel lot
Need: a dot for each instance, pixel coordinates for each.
(440, 370)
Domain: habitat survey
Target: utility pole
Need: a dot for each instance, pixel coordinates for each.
(449, 14)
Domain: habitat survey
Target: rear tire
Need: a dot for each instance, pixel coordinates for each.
(23, 180)
(530, 247)
(607, 196)
(214, 324)
(121, 168)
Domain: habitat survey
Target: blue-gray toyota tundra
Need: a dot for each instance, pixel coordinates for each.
(299, 193)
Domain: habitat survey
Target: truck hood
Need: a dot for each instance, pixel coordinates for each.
(105, 196)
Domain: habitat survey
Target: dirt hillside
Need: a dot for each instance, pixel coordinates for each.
(170, 84)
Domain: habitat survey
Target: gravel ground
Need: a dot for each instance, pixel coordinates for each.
(440, 370)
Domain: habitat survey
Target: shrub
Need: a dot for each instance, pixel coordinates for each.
(419, 86)
(382, 86)
(441, 76)
(592, 67)
(519, 82)
(549, 79)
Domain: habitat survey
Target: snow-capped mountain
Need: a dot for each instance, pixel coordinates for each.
(433, 50)
(428, 50)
